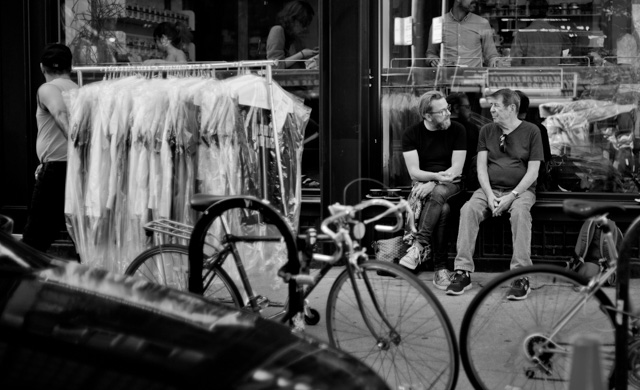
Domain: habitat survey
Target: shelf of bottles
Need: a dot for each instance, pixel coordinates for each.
(142, 48)
(149, 16)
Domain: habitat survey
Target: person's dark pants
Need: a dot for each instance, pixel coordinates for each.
(440, 240)
(432, 219)
(46, 214)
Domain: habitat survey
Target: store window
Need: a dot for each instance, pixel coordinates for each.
(576, 61)
(119, 31)
(122, 32)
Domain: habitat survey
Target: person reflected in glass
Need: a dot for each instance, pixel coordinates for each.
(461, 113)
(540, 43)
(544, 179)
(284, 42)
(467, 39)
(172, 39)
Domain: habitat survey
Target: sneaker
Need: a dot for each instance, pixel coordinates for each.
(460, 283)
(415, 254)
(442, 278)
(519, 289)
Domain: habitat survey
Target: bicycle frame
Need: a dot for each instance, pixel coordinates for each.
(353, 260)
(622, 309)
(229, 241)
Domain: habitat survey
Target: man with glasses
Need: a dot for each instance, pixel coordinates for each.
(461, 113)
(434, 151)
(509, 155)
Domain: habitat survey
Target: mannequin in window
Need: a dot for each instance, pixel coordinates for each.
(174, 39)
(284, 42)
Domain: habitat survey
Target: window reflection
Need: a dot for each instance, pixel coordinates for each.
(575, 61)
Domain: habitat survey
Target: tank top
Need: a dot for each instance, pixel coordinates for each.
(51, 144)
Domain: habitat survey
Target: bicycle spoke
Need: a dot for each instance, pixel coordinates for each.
(412, 346)
(519, 343)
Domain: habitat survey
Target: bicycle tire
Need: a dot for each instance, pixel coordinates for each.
(634, 364)
(498, 337)
(426, 344)
(265, 225)
(168, 265)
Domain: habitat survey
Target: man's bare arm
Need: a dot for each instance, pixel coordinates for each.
(51, 98)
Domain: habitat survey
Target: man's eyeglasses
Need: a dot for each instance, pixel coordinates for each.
(503, 143)
(441, 112)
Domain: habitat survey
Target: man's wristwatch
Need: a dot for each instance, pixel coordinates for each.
(515, 194)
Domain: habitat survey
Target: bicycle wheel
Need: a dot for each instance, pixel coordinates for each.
(246, 237)
(520, 344)
(634, 364)
(420, 347)
(168, 265)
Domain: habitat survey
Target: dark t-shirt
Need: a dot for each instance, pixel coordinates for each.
(434, 148)
(507, 169)
(472, 132)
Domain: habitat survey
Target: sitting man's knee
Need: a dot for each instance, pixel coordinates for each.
(467, 209)
(519, 213)
(446, 210)
(438, 194)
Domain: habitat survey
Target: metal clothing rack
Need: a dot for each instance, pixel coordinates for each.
(267, 64)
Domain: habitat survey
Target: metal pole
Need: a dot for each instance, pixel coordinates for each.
(274, 124)
(444, 11)
(190, 66)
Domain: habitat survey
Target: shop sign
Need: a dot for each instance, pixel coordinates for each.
(551, 82)
(403, 31)
(436, 26)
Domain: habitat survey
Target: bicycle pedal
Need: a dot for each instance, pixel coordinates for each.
(262, 301)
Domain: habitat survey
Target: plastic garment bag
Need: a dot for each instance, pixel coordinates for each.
(140, 148)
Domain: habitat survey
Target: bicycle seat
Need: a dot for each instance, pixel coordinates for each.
(6, 224)
(582, 209)
(201, 202)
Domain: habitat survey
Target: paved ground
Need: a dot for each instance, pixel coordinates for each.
(455, 306)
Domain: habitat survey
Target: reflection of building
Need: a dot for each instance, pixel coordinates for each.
(364, 92)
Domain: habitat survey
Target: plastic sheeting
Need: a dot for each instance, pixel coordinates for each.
(592, 144)
(140, 148)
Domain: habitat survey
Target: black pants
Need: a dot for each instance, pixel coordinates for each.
(46, 215)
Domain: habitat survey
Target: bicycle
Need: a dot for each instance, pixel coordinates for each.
(402, 332)
(406, 322)
(230, 226)
(528, 343)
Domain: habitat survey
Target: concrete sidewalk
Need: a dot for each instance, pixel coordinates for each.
(455, 306)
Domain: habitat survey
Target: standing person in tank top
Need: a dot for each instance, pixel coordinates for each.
(46, 212)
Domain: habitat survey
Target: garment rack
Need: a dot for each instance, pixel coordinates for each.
(267, 64)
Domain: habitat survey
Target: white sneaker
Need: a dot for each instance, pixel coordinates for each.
(413, 257)
(442, 278)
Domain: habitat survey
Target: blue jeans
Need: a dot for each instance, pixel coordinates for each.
(440, 240)
(433, 218)
(477, 210)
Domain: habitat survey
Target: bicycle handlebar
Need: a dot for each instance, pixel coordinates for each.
(339, 212)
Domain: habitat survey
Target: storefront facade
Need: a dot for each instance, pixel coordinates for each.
(369, 75)
(586, 97)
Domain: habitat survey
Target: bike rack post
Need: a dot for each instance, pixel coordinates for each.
(586, 367)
